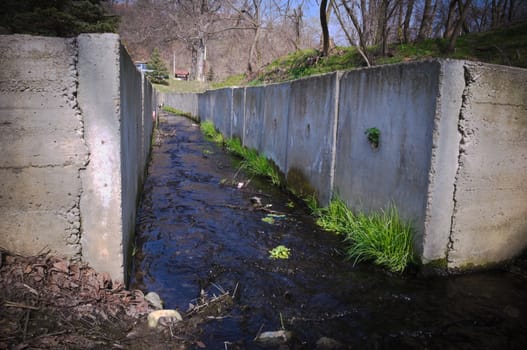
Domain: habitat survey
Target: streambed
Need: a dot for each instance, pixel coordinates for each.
(198, 231)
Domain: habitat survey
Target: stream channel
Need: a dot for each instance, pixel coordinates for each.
(196, 230)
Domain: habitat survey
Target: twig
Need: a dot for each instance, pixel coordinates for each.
(25, 326)
(20, 305)
(259, 331)
(235, 290)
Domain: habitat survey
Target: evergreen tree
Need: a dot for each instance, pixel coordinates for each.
(64, 18)
(158, 71)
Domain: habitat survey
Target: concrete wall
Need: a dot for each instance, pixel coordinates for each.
(186, 102)
(42, 146)
(73, 140)
(452, 154)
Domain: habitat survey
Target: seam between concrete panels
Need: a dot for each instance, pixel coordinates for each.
(469, 79)
(333, 164)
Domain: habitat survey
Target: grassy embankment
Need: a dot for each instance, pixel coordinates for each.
(506, 46)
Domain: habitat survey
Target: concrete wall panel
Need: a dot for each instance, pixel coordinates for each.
(101, 203)
(274, 138)
(491, 187)
(400, 101)
(432, 243)
(311, 134)
(238, 113)
(186, 102)
(221, 109)
(254, 117)
(42, 146)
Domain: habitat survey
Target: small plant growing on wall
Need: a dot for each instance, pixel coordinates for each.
(374, 136)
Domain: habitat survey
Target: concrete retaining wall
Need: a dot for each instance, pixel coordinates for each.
(74, 142)
(452, 154)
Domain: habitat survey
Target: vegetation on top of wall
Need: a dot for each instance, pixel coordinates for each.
(507, 46)
(65, 18)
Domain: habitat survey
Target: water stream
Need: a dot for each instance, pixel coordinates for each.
(196, 230)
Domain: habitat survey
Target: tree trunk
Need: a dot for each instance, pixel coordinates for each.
(325, 30)
(457, 28)
(199, 53)
(426, 21)
(407, 18)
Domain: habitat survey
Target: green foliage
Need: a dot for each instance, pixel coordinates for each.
(178, 112)
(175, 85)
(373, 135)
(252, 162)
(233, 80)
(280, 252)
(506, 46)
(159, 71)
(65, 18)
(381, 237)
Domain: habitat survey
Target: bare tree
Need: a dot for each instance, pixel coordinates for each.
(324, 25)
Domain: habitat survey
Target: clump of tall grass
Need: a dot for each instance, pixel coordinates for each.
(178, 112)
(210, 132)
(252, 161)
(382, 237)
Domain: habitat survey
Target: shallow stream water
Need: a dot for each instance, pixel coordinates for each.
(196, 230)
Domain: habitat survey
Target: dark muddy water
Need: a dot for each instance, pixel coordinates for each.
(195, 231)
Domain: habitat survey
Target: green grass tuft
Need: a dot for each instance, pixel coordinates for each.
(178, 112)
(252, 162)
(382, 237)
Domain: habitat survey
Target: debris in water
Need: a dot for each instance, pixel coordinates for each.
(274, 338)
(154, 316)
(154, 300)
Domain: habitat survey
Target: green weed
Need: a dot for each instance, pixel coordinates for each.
(252, 162)
(177, 112)
(382, 237)
(280, 252)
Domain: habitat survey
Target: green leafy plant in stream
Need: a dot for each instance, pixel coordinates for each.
(381, 237)
(280, 252)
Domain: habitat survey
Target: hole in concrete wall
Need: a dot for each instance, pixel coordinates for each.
(308, 130)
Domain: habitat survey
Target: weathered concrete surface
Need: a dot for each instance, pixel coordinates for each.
(99, 99)
(221, 109)
(254, 117)
(400, 101)
(432, 245)
(238, 113)
(311, 134)
(452, 154)
(41, 138)
(489, 222)
(275, 128)
(74, 147)
(186, 102)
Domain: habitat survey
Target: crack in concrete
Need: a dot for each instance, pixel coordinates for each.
(463, 141)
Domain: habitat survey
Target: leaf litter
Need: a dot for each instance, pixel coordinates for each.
(51, 303)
